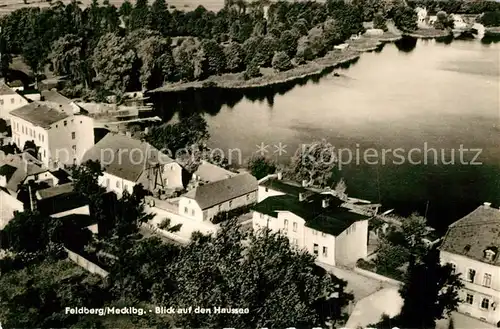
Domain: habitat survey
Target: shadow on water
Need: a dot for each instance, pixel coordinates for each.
(406, 44)
(448, 39)
(490, 38)
(211, 100)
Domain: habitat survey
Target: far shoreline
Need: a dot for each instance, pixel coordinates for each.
(332, 60)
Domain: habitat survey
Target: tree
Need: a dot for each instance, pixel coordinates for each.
(266, 50)
(340, 187)
(253, 70)
(209, 60)
(379, 21)
(314, 163)
(443, 21)
(125, 11)
(430, 292)
(405, 18)
(263, 274)
(288, 43)
(34, 54)
(490, 18)
(181, 137)
(68, 58)
(114, 63)
(250, 48)
(31, 148)
(157, 62)
(6, 57)
(140, 17)
(234, 55)
(160, 17)
(260, 166)
(281, 61)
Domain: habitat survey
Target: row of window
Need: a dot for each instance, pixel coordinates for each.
(12, 101)
(485, 302)
(351, 229)
(118, 184)
(471, 276)
(316, 250)
(294, 226)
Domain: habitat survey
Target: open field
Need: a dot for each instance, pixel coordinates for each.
(6, 6)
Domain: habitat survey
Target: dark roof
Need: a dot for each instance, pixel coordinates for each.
(55, 191)
(39, 114)
(331, 220)
(6, 90)
(7, 171)
(287, 187)
(62, 175)
(124, 156)
(474, 233)
(215, 193)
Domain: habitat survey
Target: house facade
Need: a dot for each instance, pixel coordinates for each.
(206, 201)
(127, 161)
(471, 246)
(61, 138)
(9, 100)
(316, 223)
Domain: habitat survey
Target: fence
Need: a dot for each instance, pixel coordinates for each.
(86, 264)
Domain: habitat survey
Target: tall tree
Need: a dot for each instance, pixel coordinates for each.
(68, 58)
(430, 292)
(160, 17)
(140, 17)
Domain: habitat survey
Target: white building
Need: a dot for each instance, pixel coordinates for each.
(61, 136)
(316, 223)
(205, 201)
(208, 173)
(127, 161)
(9, 100)
(471, 246)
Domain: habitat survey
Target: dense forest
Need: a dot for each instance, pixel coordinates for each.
(106, 50)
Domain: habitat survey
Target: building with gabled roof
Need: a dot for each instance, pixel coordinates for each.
(317, 222)
(205, 201)
(471, 245)
(9, 100)
(127, 161)
(61, 136)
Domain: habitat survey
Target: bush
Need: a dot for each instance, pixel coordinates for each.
(365, 265)
(281, 61)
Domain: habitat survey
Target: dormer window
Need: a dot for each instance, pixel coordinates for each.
(490, 253)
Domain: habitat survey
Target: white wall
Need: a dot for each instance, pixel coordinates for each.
(352, 243)
(303, 238)
(172, 175)
(264, 192)
(23, 131)
(44, 176)
(189, 208)
(476, 288)
(116, 184)
(84, 210)
(64, 148)
(9, 103)
(8, 205)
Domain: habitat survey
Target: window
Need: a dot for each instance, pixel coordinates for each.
(80, 121)
(165, 182)
(347, 231)
(185, 210)
(485, 303)
(315, 249)
(56, 126)
(22, 129)
(74, 148)
(230, 203)
(353, 227)
(12, 101)
(1, 101)
(323, 234)
(454, 267)
(487, 280)
(261, 215)
(267, 190)
(44, 154)
(73, 135)
(118, 183)
(285, 225)
(125, 187)
(72, 120)
(295, 242)
(471, 274)
(192, 212)
(315, 232)
(107, 181)
(469, 299)
(65, 123)
(294, 226)
(325, 251)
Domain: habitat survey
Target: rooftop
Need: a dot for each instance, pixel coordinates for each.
(16, 167)
(6, 90)
(211, 173)
(287, 187)
(215, 193)
(124, 156)
(55, 191)
(330, 220)
(39, 114)
(473, 234)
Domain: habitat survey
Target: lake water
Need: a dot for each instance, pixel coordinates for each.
(419, 95)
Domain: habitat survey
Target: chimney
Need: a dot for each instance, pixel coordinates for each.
(487, 204)
(280, 175)
(324, 203)
(304, 183)
(146, 130)
(301, 197)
